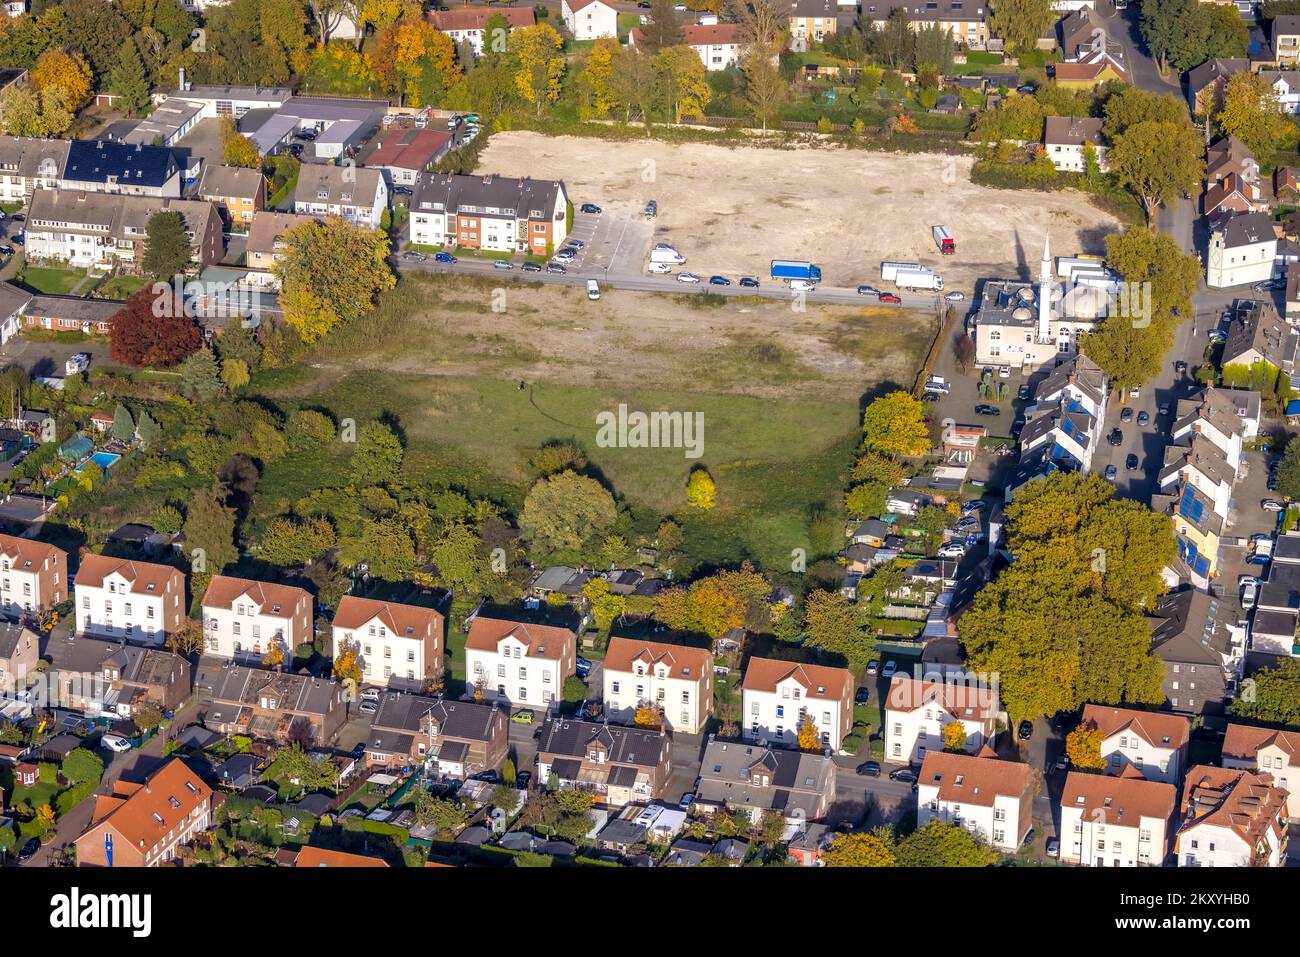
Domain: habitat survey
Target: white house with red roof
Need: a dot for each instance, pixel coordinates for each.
(243, 618)
(718, 44)
(987, 796)
(918, 709)
(675, 680)
(778, 696)
(1154, 742)
(519, 664)
(1268, 751)
(1119, 820)
(1231, 818)
(589, 19)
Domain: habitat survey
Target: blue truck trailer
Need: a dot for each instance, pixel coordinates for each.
(794, 269)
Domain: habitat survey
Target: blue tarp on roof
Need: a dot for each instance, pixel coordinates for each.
(1293, 407)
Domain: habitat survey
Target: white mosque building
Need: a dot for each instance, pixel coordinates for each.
(1028, 328)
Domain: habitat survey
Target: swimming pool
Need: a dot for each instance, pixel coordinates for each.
(104, 460)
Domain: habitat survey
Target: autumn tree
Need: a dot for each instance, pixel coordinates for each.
(606, 606)
(1252, 112)
(377, 459)
(809, 739)
(1083, 747)
(187, 640)
(151, 329)
(943, 844)
(954, 736)
(859, 850)
(415, 59)
(701, 492)
(648, 717)
(683, 81)
(541, 63)
(663, 30)
(65, 75)
(894, 425)
(833, 623)
(1158, 161)
(330, 273)
(347, 667)
(596, 91)
(765, 89)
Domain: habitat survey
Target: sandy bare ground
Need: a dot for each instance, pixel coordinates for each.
(733, 209)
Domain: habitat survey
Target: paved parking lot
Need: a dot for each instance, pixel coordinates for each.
(615, 241)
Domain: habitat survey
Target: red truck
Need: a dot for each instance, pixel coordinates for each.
(943, 238)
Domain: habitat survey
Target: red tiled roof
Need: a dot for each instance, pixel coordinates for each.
(1124, 799)
(401, 620)
(475, 18)
(623, 653)
(409, 149)
(958, 699)
(144, 578)
(321, 857)
(545, 641)
(223, 592)
(973, 779)
(831, 684)
(1153, 727)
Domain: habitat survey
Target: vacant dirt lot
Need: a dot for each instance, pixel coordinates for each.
(760, 348)
(732, 210)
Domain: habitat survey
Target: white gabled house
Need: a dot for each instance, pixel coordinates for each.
(519, 664)
(1116, 820)
(1154, 742)
(1267, 751)
(918, 709)
(589, 19)
(779, 696)
(991, 798)
(245, 619)
(1231, 818)
(116, 598)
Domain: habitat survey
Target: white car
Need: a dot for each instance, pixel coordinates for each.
(1272, 505)
(952, 550)
(1134, 392)
(1249, 592)
(955, 296)
(78, 363)
(370, 694)
(1004, 372)
(115, 742)
(802, 285)
(1249, 580)
(687, 277)
(662, 269)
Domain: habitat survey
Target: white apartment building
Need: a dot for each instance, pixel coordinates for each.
(987, 796)
(1267, 751)
(138, 601)
(918, 709)
(33, 575)
(519, 664)
(1241, 252)
(399, 646)
(28, 163)
(356, 194)
(244, 619)
(1231, 818)
(589, 19)
(1116, 821)
(1153, 742)
(1064, 138)
(675, 680)
(501, 213)
(778, 697)
(468, 24)
(1224, 417)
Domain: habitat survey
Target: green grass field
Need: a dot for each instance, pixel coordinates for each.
(53, 282)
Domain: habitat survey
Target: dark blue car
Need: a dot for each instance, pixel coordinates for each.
(444, 258)
(583, 667)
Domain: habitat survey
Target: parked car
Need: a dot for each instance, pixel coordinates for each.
(719, 281)
(502, 264)
(582, 666)
(367, 707)
(906, 775)
(1258, 560)
(77, 364)
(28, 850)
(1111, 472)
(862, 695)
(1116, 436)
(1053, 847)
(689, 277)
(967, 523)
(1272, 505)
(1180, 366)
(955, 296)
(748, 282)
(865, 290)
(662, 269)
(1143, 417)
(1023, 393)
(1025, 731)
(116, 743)
(566, 255)
(7, 250)
(555, 269)
(973, 506)
(414, 257)
(575, 243)
(370, 694)
(873, 667)
(530, 267)
(687, 800)
(359, 752)
(889, 297)
(522, 779)
(890, 667)
(490, 776)
(1249, 592)
(1131, 462)
(869, 769)
(985, 409)
(590, 208)
(952, 550)
(1004, 372)
(1126, 415)
(402, 191)
(1164, 408)
(522, 716)
(651, 209)
(444, 258)
(1135, 392)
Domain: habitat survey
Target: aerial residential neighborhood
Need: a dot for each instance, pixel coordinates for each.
(604, 434)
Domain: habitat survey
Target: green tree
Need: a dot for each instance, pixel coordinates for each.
(1271, 695)
(1252, 113)
(200, 377)
(833, 623)
(663, 30)
(940, 844)
(330, 273)
(129, 82)
(563, 511)
(1021, 22)
(1157, 161)
(209, 537)
(82, 766)
(1288, 470)
(167, 249)
(606, 607)
(123, 425)
(377, 459)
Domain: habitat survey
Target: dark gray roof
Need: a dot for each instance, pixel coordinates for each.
(239, 772)
(798, 781)
(94, 161)
(1246, 229)
(627, 746)
(301, 694)
(450, 191)
(1192, 626)
(1287, 548)
(623, 832)
(10, 634)
(466, 720)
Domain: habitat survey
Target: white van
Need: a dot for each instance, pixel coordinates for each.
(593, 289)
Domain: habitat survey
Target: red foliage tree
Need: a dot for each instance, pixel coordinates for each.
(151, 330)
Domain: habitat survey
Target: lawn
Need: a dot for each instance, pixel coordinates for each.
(51, 281)
(122, 287)
(47, 785)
